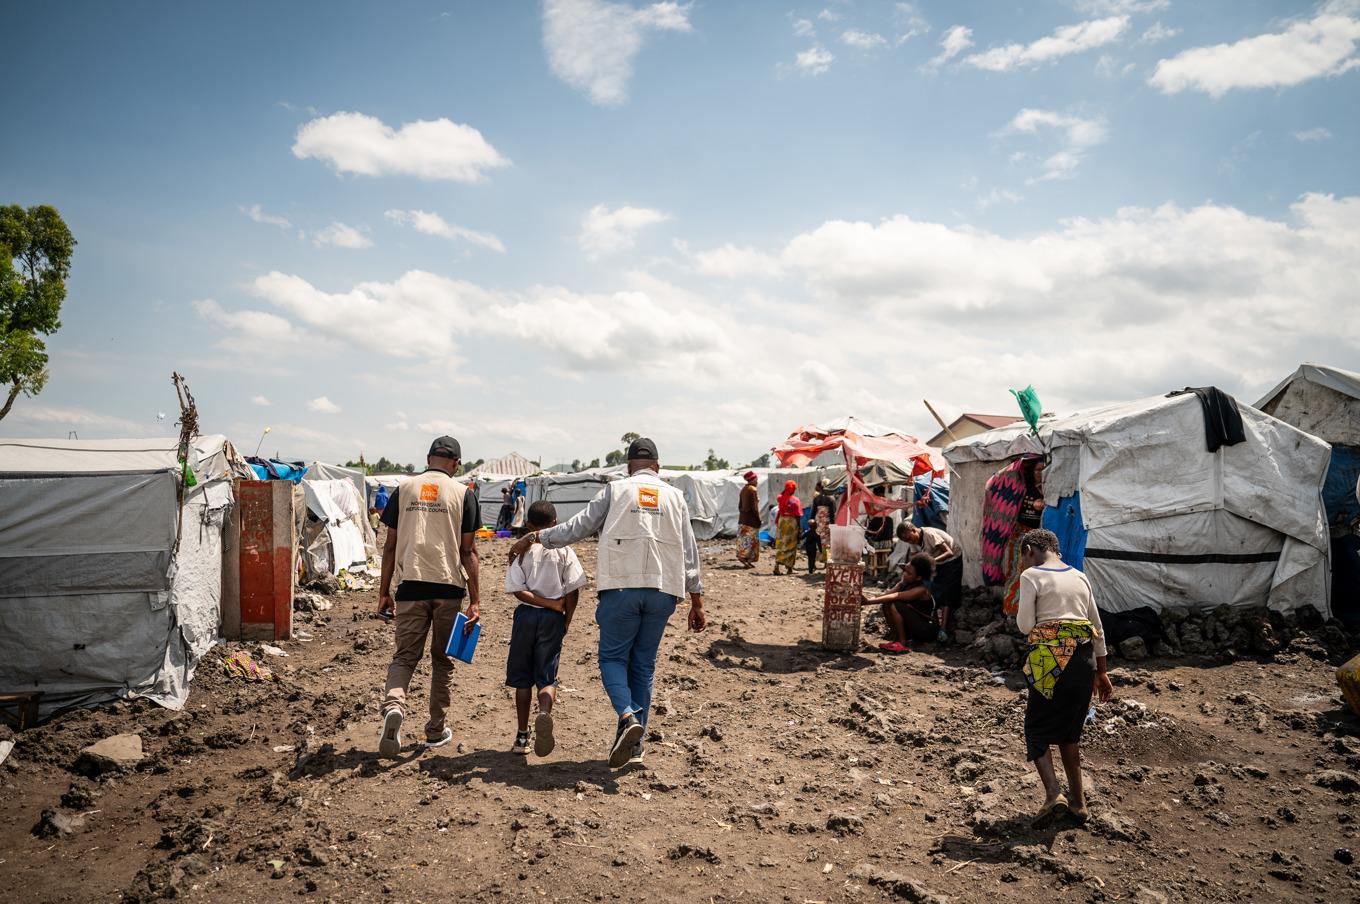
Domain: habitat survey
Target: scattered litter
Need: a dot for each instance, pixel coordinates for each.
(284, 748)
(241, 665)
(5, 748)
(271, 650)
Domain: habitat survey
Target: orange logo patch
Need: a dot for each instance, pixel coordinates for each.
(429, 492)
(648, 498)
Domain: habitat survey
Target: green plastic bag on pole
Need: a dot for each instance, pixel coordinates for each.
(1030, 406)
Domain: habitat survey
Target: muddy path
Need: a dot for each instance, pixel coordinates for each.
(774, 772)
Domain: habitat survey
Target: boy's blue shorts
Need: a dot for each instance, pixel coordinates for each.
(535, 647)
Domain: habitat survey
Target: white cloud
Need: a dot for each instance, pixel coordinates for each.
(1321, 133)
(256, 325)
(955, 41)
(804, 28)
(1120, 7)
(909, 22)
(1063, 42)
(1320, 47)
(260, 400)
(1156, 33)
(605, 231)
(814, 61)
(733, 262)
(863, 40)
(819, 380)
(60, 420)
(1214, 266)
(428, 149)
(1078, 136)
(433, 224)
(998, 196)
(827, 15)
(591, 44)
(257, 213)
(341, 236)
(323, 405)
(589, 331)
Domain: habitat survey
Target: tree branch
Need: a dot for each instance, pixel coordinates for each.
(9, 402)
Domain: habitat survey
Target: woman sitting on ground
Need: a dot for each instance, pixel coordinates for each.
(908, 607)
(1066, 661)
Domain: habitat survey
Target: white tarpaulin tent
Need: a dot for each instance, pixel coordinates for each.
(96, 602)
(512, 465)
(319, 470)
(341, 539)
(1167, 522)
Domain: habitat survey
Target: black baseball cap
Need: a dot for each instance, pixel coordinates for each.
(446, 447)
(642, 449)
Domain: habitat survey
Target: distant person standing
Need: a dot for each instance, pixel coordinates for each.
(507, 511)
(823, 513)
(748, 522)
(788, 527)
(431, 556)
(647, 561)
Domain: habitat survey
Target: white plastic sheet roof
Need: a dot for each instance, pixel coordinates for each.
(215, 456)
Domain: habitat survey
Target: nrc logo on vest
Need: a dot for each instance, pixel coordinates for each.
(429, 492)
(649, 498)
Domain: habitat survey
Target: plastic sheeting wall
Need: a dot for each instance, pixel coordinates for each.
(83, 633)
(1140, 464)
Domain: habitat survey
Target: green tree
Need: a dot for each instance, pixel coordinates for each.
(616, 457)
(594, 463)
(629, 437)
(714, 463)
(35, 259)
(761, 462)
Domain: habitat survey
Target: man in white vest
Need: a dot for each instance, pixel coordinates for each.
(431, 557)
(648, 561)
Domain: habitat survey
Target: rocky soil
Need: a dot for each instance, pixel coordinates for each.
(775, 772)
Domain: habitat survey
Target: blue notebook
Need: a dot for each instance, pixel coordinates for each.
(462, 646)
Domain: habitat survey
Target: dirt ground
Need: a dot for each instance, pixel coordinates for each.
(775, 771)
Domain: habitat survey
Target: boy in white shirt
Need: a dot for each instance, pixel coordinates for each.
(547, 583)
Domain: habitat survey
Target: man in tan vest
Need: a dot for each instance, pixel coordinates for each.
(431, 556)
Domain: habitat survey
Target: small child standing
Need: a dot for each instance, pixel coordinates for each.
(547, 583)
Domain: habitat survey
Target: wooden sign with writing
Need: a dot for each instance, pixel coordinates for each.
(841, 607)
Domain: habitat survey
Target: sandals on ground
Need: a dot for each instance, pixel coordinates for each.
(1052, 813)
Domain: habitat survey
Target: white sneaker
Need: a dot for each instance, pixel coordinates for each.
(390, 743)
(440, 741)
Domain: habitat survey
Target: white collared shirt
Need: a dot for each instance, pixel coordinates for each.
(550, 573)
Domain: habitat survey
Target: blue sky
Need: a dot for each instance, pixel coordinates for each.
(537, 226)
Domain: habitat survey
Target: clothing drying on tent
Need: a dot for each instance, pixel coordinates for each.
(1166, 521)
(269, 469)
(932, 502)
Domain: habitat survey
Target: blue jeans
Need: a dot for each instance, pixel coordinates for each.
(632, 622)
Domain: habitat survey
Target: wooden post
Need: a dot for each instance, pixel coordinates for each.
(266, 552)
(840, 607)
(231, 569)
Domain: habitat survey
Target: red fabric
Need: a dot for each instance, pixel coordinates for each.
(806, 443)
(790, 506)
